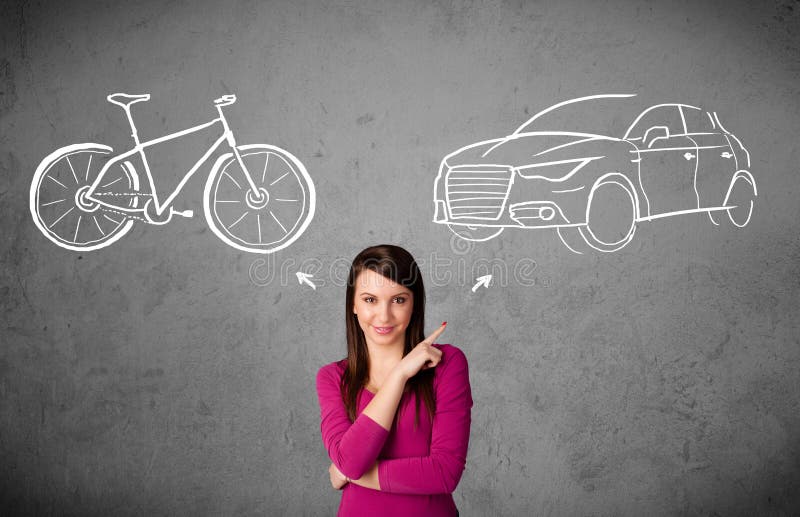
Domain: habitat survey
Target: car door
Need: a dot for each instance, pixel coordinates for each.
(716, 162)
(667, 160)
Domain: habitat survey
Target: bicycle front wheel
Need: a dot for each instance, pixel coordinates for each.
(264, 221)
(59, 205)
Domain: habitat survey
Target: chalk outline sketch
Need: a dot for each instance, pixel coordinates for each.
(484, 281)
(117, 211)
(305, 278)
(490, 184)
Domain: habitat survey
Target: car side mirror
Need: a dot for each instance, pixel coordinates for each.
(654, 134)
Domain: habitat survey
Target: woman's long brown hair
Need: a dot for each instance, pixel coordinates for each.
(396, 264)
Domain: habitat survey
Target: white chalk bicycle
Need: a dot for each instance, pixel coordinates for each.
(258, 198)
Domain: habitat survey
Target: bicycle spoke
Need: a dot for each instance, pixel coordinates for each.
(98, 225)
(237, 221)
(277, 180)
(52, 178)
(109, 184)
(62, 217)
(279, 223)
(112, 220)
(75, 238)
(259, 227)
(228, 201)
(264, 173)
(53, 202)
(89, 166)
(73, 171)
(292, 200)
(233, 180)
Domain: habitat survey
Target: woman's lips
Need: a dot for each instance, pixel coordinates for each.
(383, 330)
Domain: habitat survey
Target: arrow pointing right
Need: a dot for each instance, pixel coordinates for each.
(484, 281)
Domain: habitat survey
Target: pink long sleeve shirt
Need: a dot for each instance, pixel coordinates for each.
(418, 469)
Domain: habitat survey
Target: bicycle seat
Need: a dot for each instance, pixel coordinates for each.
(225, 100)
(124, 100)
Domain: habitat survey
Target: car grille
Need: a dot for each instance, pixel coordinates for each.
(477, 192)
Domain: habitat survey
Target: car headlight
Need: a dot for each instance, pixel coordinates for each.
(439, 211)
(560, 170)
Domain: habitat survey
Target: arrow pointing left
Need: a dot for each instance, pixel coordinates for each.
(303, 278)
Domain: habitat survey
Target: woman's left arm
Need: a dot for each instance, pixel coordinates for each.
(441, 470)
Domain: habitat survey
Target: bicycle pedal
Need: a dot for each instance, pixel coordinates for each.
(184, 213)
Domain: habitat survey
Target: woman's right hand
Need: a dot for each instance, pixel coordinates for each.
(338, 480)
(422, 357)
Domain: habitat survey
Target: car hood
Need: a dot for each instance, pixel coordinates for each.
(524, 149)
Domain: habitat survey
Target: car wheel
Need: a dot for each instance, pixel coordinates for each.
(610, 214)
(740, 196)
(475, 233)
(571, 238)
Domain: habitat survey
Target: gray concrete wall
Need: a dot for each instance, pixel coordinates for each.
(170, 374)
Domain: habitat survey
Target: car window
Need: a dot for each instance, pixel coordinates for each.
(608, 115)
(668, 116)
(697, 120)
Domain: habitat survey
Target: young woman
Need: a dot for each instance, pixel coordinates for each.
(395, 414)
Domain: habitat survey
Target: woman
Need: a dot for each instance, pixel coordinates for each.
(395, 414)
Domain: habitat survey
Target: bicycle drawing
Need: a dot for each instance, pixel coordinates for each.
(258, 198)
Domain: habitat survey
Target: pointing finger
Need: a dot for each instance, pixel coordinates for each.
(436, 333)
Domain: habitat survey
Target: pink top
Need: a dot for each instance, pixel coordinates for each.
(418, 468)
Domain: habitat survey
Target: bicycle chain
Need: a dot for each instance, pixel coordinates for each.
(122, 194)
(125, 215)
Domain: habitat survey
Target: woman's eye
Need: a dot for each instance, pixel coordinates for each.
(400, 299)
(369, 299)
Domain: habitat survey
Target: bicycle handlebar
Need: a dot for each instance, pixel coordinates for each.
(225, 100)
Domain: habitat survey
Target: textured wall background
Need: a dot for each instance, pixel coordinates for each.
(160, 376)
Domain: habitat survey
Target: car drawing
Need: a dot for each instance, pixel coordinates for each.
(590, 170)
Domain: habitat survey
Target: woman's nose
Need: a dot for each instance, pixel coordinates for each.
(385, 312)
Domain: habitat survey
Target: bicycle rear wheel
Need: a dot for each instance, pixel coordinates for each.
(266, 221)
(59, 205)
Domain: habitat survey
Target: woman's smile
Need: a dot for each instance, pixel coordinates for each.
(383, 330)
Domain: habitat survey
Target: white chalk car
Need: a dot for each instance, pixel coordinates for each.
(586, 170)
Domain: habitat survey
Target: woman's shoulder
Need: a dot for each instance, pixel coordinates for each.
(333, 370)
(451, 375)
(451, 356)
(448, 350)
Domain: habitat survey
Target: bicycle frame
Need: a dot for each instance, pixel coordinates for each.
(140, 147)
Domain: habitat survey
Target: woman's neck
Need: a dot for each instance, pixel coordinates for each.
(382, 359)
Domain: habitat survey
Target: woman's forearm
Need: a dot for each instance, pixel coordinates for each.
(370, 479)
(382, 409)
(383, 405)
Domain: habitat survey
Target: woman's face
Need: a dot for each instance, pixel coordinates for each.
(383, 309)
